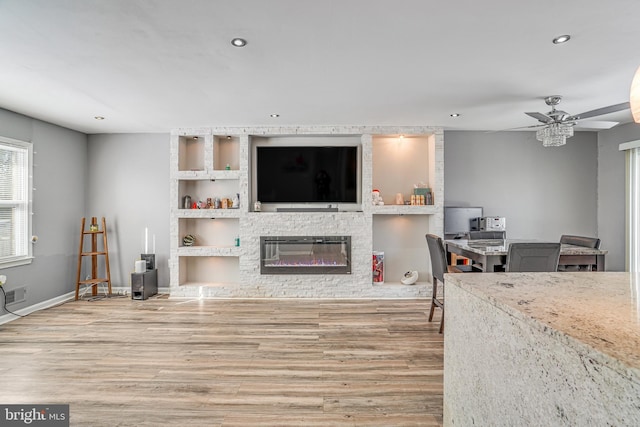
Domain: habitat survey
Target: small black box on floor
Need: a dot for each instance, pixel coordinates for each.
(144, 285)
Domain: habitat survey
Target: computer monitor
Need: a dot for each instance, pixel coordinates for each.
(457, 220)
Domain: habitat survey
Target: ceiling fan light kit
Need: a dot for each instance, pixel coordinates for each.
(634, 97)
(555, 134)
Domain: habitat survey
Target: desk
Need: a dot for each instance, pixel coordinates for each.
(492, 255)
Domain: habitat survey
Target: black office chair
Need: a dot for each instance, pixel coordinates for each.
(439, 266)
(487, 235)
(587, 242)
(533, 257)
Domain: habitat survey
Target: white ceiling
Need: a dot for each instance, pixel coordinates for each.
(154, 65)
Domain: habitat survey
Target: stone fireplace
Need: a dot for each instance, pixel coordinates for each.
(305, 255)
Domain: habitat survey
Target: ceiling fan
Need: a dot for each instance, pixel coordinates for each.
(557, 125)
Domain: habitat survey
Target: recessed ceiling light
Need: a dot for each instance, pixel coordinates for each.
(562, 39)
(275, 115)
(454, 114)
(238, 42)
(99, 118)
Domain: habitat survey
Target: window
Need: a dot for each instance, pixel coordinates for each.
(15, 202)
(633, 205)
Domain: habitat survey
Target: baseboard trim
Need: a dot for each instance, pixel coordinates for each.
(6, 318)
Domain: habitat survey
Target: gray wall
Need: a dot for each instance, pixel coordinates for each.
(129, 185)
(542, 192)
(611, 191)
(59, 176)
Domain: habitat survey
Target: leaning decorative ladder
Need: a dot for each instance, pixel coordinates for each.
(93, 280)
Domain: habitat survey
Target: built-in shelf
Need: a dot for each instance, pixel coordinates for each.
(208, 175)
(220, 163)
(208, 269)
(222, 251)
(209, 213)
(404, 210)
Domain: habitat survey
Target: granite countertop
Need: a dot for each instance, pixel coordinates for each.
(596, 312)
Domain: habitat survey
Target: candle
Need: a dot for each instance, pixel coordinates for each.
(146, 240)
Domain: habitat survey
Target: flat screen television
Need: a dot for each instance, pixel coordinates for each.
(457, 220)
(307, 174)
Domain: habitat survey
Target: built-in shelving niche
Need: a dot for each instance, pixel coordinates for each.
(208, 270)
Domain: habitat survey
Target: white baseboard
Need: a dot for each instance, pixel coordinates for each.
(6, 318)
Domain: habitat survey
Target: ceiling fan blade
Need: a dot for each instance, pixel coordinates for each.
(541, 117)
(601, 111)
(595, 125)
(518, 128)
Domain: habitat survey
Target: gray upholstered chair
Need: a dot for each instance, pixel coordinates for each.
(487, 235)
(533, 257)
(587, 242)
(496, 236)
(439, 266)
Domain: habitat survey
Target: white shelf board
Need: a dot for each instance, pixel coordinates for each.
(209, 251)
(208, 175)
(404, 210)
(208, 213)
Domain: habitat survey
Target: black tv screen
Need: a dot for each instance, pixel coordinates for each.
(304, 174)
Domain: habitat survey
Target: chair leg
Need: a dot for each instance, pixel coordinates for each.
(433, 297)
(442, 321)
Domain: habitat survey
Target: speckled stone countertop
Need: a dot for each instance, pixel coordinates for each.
(596, 312)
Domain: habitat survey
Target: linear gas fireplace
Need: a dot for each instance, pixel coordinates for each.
(305, 255)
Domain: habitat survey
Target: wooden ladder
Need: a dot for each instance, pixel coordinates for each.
(93, 280)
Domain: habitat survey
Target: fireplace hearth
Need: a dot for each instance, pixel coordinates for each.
(305, 255)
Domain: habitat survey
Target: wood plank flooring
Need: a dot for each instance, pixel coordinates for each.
(164, 362)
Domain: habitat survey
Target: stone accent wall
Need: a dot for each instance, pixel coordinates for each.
(252, 225)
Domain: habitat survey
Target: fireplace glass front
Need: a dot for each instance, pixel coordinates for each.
(305, 255)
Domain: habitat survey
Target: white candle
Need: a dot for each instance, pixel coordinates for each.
(146, 240)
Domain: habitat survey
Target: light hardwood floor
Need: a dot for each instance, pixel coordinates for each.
(165, 362)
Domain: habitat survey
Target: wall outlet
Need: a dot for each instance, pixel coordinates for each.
(16, 295)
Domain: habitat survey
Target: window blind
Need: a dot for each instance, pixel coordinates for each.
(14, 200)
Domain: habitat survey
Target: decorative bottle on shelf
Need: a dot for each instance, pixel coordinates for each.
(235, 203)
(378, 267)
(186, 202)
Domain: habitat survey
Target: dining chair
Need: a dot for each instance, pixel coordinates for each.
(439, 266)
(487, 235)
(587, 242)
(533, 257)
(494, 236)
